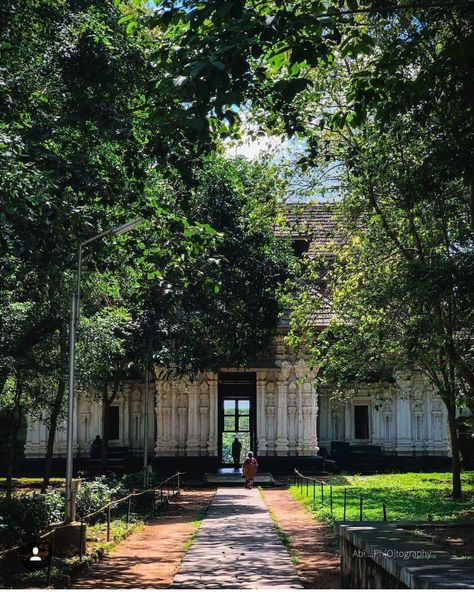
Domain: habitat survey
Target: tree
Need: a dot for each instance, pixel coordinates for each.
(343, 77)
(221, 308)
(402, 282)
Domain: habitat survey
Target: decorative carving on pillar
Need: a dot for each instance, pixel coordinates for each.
(292, 416)
(212, 442)
(182, 400)
(203, 416)
(404, 424)
(270, 414)
(261, 415)
(192, 442)
(282, 405)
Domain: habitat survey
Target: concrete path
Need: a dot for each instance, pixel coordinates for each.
(237, 546)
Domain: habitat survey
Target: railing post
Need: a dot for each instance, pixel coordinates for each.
(330, 498)
(307, 485)
(129, 508)
(108, 523)
(161, 495)
(178, 483)
(81, 541)
(301, 483)
(384, 507)
(360, 512)
(322, 493)
(345, 502)
(314, 491)
(50, 562)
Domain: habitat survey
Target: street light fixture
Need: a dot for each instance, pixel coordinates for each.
(70, 510)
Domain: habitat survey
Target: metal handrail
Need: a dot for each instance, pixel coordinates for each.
(299, 478)
(107, 506)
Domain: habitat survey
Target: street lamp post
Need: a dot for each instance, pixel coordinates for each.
(70, 511)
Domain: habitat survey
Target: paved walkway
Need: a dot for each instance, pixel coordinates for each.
(237, 546)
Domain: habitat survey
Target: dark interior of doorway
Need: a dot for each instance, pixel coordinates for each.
(237, 392)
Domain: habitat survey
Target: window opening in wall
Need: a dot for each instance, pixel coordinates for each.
(300, 247)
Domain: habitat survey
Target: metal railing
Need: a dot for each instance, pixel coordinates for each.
(160, 495)
(303, 481)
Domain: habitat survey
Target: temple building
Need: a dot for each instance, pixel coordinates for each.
(272, 407)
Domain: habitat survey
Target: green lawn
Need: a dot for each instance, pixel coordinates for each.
(408, 496)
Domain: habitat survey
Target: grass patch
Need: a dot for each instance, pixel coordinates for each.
(284, 538)
(408, 496)
(32, 482)
(195, 524)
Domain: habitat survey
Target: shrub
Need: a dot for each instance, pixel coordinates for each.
(28, 515)
(94, 494)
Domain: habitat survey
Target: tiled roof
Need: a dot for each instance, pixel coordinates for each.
(318, 224)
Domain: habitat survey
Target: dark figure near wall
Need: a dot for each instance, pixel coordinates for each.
(96, 448)
(236, 450)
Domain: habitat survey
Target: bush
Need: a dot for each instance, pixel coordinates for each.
(28, 515)
(94, 494)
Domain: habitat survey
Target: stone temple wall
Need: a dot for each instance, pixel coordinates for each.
(292, 419)
(405, 418)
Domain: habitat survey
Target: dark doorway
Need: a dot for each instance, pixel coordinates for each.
(361, 422)
(236, 414)
(114, 422)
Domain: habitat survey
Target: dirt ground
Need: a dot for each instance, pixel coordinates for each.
(318, 565)
(151, 557)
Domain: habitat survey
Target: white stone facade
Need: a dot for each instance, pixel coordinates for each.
(405, 418)
(291, 417)
(88, 423)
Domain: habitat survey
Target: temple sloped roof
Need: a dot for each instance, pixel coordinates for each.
(317, 224)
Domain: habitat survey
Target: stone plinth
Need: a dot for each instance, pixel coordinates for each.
(381, 555)
(68, 539)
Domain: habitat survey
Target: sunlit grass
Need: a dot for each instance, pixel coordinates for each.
(408, 496)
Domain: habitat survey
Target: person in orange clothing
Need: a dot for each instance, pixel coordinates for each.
(249, 469)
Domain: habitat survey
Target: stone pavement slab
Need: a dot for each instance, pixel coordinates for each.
(237, 546)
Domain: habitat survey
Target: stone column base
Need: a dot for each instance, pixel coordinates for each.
(68, 539)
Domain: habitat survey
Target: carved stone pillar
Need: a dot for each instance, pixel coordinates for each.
(159, 417)
(281, 447)
(212, 442)
(292, 417)
(404, 426)
(203, 416)
(192, 443)
(173, 425)
(261, 415)
(300, 369)
(310, 412)
(270, 415)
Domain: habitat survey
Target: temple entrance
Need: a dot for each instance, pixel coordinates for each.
(236, 414)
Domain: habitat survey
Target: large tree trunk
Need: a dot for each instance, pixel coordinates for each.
(455, 450)
(55, 411)
(105, 430)
(12, 443)
(56, 408)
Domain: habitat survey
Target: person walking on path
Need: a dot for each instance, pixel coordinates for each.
(249, 469)
(236, 450)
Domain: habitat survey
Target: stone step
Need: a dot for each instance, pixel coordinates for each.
(233, 479)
